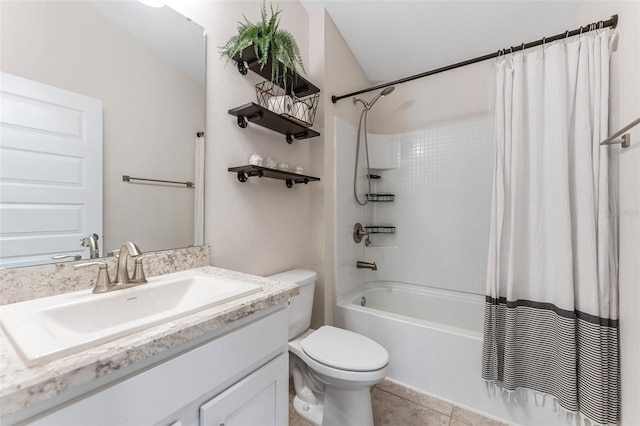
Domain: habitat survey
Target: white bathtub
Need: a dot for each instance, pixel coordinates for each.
(434, 339)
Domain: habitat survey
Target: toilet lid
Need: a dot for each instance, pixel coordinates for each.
(344, 350)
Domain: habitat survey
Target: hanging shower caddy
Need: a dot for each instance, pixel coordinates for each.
(380, 197)
(377, 229)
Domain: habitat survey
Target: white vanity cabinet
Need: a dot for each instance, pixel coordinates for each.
(255, 400)
(239, 377)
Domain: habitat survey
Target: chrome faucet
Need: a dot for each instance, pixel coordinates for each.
(367, 265)
(122, 280)
(127, 250)
(91, 241)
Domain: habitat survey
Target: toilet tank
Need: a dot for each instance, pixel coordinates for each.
(300, 306)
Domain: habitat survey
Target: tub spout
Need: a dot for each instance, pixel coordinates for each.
(367, 265)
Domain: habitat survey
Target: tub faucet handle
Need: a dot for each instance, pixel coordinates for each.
(359, 232)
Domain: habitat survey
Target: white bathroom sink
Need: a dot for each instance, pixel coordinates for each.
(51, 327)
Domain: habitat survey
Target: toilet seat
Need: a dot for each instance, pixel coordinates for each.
(344, 350)
(354, 377)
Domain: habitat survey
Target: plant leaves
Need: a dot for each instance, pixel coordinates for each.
(269, 42)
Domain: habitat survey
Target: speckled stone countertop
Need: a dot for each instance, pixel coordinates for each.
(21, 386)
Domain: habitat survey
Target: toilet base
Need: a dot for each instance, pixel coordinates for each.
(347, 407)
(343, 408)
(310, 413)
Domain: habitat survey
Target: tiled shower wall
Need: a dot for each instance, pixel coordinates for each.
(441, 179)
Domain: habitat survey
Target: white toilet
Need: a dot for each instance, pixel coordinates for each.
(332, 368)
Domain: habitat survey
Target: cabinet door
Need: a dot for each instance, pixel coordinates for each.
(259, 399)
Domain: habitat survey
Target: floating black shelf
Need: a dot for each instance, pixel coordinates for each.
(247, 60)
(380, 197)
(248, 171)
(269, 119)
(372, 229)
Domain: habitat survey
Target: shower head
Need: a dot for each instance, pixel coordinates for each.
(369, 105)
(387, 90)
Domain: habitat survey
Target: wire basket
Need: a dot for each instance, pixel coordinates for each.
(380, 197)
(274, 98)
(373, 229)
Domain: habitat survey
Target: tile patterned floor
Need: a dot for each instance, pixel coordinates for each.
(396, 405)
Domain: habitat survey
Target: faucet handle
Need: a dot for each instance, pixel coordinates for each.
(67, 255)
(103, 282)
(138, 272)
(114, 253)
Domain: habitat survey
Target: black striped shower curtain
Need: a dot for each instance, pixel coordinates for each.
(551, 312)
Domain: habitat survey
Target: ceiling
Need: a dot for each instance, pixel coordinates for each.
(392, 39)
(168, 33)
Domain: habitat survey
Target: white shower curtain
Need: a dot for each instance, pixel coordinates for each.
(551, 313)
(198, 226)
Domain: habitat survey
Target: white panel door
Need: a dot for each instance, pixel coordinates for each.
(50, 171)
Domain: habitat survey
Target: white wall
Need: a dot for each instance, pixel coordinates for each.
(340, 73)
(72, 46)
(457, 96)
(261, 226)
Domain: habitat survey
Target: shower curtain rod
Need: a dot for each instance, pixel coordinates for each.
(611, 22)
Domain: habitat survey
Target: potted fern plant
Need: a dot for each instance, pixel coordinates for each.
(270, 43)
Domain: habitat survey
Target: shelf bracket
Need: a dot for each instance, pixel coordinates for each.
(302, 135)
(289, 183)
(243, 176)
(242, 121)
(242, 68)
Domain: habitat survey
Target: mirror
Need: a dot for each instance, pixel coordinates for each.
(146, 67)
